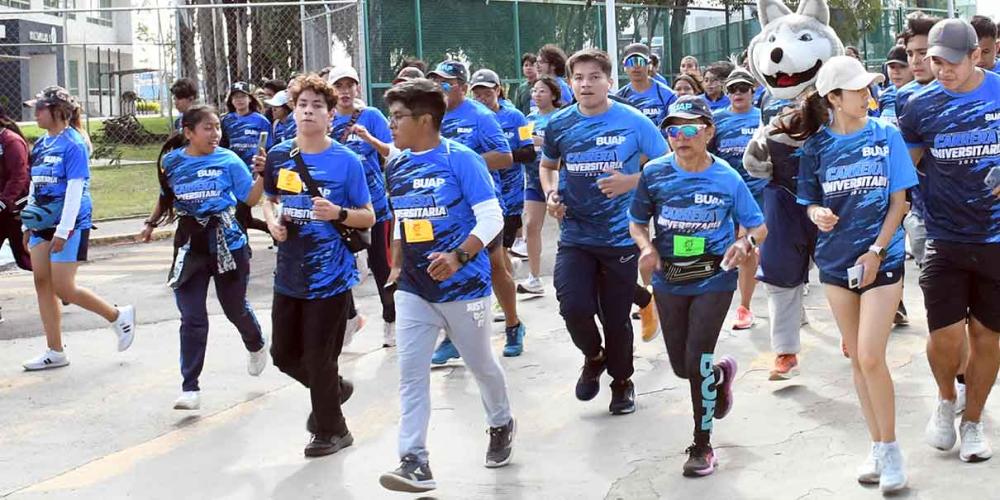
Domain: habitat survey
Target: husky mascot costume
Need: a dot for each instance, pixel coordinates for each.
(785, 57)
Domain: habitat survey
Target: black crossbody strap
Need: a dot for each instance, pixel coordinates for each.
(347, 130)
(303, 170)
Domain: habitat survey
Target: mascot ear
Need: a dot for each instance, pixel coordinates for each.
(769, 10)
(816, 9)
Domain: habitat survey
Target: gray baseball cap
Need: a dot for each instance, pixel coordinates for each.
(485, 78)
(952, 40)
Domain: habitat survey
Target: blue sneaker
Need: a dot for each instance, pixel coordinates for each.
(444, 352)
(515, 341)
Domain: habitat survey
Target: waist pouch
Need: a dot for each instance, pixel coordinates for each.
(687, 270)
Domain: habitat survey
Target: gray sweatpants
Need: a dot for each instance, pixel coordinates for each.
(785, 307)
(468, 324)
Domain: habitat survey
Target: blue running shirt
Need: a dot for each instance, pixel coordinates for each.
(209, 185)
(887, 104)
(693, 205)
(314, 263)
(722, 102)
(903, 95)
(565, 95)
(733, 132)
(961, 137)
(653, 103)
(532, 175)
(56, 160)
(285, 130)
(243, 133)
(440, 186)
(854, 176)
(512, 178)
(377, 125)
(476, 127)
(586, 146)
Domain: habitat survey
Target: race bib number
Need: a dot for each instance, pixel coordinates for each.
(524, 131)
(688, 246)
(289, 181)
(418, 230)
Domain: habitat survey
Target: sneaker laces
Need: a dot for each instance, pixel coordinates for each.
(496, 436)
(512, 334)
(973, 433)
(945, 416)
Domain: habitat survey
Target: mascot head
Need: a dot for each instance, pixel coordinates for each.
(791, 47)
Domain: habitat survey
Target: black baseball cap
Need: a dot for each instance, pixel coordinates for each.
(240, 87)
(897, 55)
(451, 69)
(688, 107)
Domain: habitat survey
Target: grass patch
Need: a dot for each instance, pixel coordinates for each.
(123, 191)
(159, 125)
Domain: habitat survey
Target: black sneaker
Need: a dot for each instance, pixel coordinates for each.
(901, 318)
(622, 397)
(411, 476)
(701, 460)
(501, 440)
(323, 445)
(346, 390)
(589, 383)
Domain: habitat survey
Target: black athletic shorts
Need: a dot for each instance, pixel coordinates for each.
(961, 280)
(883, 278)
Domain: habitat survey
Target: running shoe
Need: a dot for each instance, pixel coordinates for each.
(257, 361)
(940, 431)
(786, 366)
(48, 360)
(744, 319)
(870, 471)
(125, 327)
(650, 321)
(322, 445)
(498, 315)
(893, 476)
(901, 319)
(189, 400)
(724, 403)
(520, 248)
(411, 477)
(501, 448)
(622, 397)
(354, 326)
(960, 399)
(975, 445)
(531, 286)
(515, 341)
(701, 460)
(389, 334)
(589, 383)
(445, 351)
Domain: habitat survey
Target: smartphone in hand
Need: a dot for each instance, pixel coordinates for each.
(993, 178)
(262, 142)
(855, 275)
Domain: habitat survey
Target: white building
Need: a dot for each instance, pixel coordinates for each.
(35, 52)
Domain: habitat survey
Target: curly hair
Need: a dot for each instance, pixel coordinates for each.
(315, 83)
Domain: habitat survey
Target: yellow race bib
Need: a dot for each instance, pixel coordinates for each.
(418, 230)
(524, 132)
(289, 181)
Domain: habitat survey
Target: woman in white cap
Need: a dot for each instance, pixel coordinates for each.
(853, 177)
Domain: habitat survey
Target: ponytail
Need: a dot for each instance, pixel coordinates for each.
(801, 123)
(189, 120)
(76, 122)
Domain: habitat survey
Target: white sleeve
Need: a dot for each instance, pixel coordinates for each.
(31, 197)
(393, 152)
(71, 207)
(489, 220)
(396, 224)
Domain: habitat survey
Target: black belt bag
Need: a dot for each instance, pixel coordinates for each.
(687, 270)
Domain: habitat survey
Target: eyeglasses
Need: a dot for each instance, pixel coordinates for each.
(740, 88)
(395, 118)
(636, 61)
(689, 131)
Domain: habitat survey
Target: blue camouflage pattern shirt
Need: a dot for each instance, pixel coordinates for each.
(532, 175)
(476, 127)
(285, 130)
(887, 104)
(653, 103)
(588, 146)
(733, 132)
(960, 135)
(378, 126)
(209, 185)
(512, 178)
(313, 263)
(903, 95)
(693, 205)
(56, 160)
(243, 134)
(854, 175)
(440, 186)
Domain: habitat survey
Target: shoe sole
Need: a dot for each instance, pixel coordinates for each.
(729, 368)
(703, 472)
(893, 488)
(187, 408)
(512, 354)
(46, 367)
(974, 459)
(525, 291)
(395, 483)
(624, 411)
(343, 443)
(869, 480)
(778, 376)
(743, 327)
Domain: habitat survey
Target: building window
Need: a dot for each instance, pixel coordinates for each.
(74, 78)
(98, 78)
(60, 5)
(103, 17)
(17, 4)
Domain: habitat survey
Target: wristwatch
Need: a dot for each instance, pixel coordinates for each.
(342, 216)
(877, 250)
(462, 255)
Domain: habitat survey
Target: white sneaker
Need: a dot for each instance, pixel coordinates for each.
(125, 327)
(498, 315)
(975, 445)
(189, 400)
(940, 431)
(361, 261)
(960, 400)
(257, 361)
(354, 325)
(871, 469)
(532, 286)
(893, 477)
(48, 360)
(519, 248)
(389, 335)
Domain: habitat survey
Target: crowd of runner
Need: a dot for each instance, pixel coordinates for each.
(659, 222)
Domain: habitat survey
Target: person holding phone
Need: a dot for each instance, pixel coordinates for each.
(853, 176)
(245, 131)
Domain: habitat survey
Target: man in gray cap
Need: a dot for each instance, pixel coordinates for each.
(950, 125)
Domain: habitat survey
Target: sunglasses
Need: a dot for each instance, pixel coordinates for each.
(740, 88)
(689, 130)
(636, 61)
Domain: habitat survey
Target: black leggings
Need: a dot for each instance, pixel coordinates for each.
(379, 261)
(10, 231)
(691, 326)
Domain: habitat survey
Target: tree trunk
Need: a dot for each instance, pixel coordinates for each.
(654, 20)
(677, 34)
(232, 42)
(221, 75)
(242, 25)
(261, 66)
(206, 33)
(188, 58)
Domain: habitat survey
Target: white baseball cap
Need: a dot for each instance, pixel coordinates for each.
(844, 73)
(341, 72)
(279, 99)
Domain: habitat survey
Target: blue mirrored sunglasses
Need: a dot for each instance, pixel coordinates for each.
(635, 61)
(689, 130)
